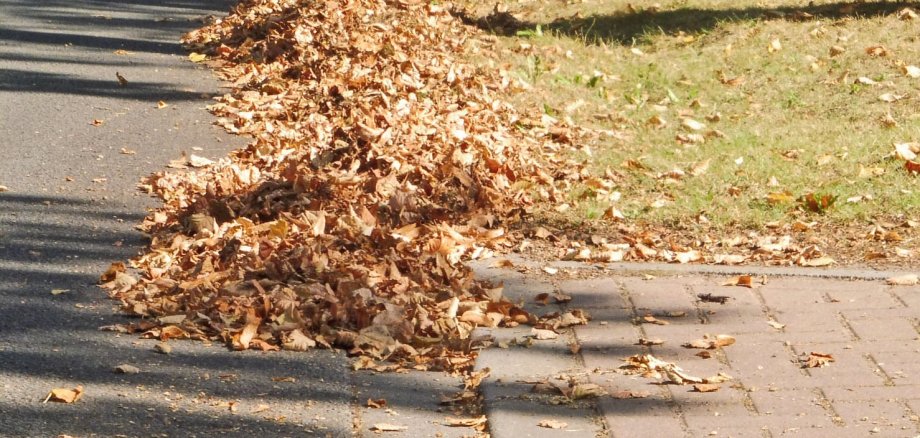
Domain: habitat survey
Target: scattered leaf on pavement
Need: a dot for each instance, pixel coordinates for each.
(65, 395)
(817, 360)
(552, 424)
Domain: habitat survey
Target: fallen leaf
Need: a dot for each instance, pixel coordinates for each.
(298, 341)
(286, 379)
(630, 394)
(65, 395)
(649, 319)
(162, 348)
(197, 57)
(890, 97)
(127, 369)
(709, 343)
(650, 342)
(465, 422)
(776, 325)
(817, 360)
(741, 280)
(543, 335)
(705, 387)
(97, 122)
(59, 291)
(552, 424)
(386, 427)
(161, 104)
(911, 71)
(817, 262)
(376, 403)
(903, 280)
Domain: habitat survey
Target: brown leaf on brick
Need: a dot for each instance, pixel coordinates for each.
(817, 360)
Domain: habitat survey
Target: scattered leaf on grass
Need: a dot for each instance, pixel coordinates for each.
(817, 360)
(552, 424)
(65, 395)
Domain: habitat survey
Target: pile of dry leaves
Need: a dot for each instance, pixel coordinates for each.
(379, 164)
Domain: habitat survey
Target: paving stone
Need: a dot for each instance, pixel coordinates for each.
(903, 367)
(765, 362)
(661, 295)
(640, 418)
(883, 329)
(863, 393)
(594, 293)
(793, 295)
(514, 411)
(788, 403)
(885, 418)
(860, 295)
(412, 400)
(850, 368)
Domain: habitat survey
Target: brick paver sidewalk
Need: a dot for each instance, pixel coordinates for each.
(871, 330)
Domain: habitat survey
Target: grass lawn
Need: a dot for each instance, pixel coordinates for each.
(732, 114)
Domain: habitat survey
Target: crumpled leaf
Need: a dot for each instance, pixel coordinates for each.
(903, 280)
(817, 360)
(297, 341)
(387, 427)
(741, 280)
(710, 343)
(65, 395)
(552, 424)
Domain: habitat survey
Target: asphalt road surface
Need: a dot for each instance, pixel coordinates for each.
(70, 210)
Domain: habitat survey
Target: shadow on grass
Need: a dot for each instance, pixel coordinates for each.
(630, 27)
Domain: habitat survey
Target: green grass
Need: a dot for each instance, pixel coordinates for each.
(675, 63)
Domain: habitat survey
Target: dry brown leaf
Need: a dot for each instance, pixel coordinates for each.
(776, 325)
(709, 343)
(705, 387)
(376, 403)
(465, 422)
(552, 424)
(386, 427)
(903, 280)
(741, 280)
(817, 360)
(65, 395)
(631, 394)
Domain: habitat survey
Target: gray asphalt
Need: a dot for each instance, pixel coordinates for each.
(59, 229)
